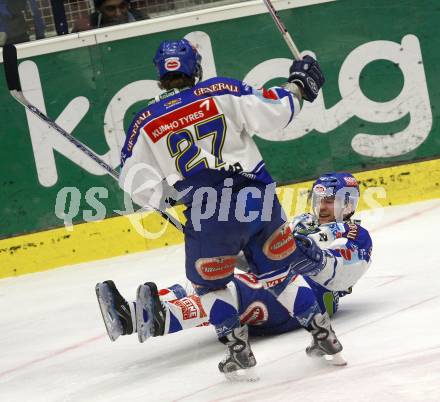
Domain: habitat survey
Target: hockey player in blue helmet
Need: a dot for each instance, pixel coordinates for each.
(334, 197)
(178, 64)
(348, 248)
(197, 138)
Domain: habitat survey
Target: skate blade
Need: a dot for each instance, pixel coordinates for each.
(106, 304)
(144, 313)
(335, 360)
(243, 375)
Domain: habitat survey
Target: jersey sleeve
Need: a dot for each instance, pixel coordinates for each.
(348, 258)
(268, 110)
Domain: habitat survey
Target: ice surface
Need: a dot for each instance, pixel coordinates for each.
(53, 345)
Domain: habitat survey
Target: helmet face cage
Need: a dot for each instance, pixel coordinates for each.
(178, 57)
(343, 188)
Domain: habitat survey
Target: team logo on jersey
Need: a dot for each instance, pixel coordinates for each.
(255, 314)
(280, 244)
(172, 64)
(215, 268)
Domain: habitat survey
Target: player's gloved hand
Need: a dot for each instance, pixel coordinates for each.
(307, 74)
(315, 258)
(305, 224)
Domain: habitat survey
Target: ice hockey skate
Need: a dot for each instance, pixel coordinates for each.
(325, 344)
(239, 361)
(150, 314)
(115, 310)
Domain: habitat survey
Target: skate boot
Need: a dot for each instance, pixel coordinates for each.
(150, 314)
(324, 343)
(117, 313)
(239, 359)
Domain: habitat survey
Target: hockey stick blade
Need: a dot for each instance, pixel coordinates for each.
(11, 67)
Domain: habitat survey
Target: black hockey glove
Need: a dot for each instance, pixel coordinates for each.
(315, 258)
(307, 74)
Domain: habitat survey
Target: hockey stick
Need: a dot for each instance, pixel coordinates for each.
(283, 30)
(10, 65)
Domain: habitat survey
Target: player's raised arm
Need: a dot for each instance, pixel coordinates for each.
(271, 110)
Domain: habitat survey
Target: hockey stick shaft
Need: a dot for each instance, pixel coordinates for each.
(283, 30)
(13, 81)
(10, 65)
(19, 97)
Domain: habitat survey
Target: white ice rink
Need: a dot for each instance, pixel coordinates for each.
(53, 345)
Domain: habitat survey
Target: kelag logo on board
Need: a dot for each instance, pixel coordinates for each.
(413, 100)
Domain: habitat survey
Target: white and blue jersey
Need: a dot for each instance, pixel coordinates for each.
(265, 314)
(205, 129)
(349, 248)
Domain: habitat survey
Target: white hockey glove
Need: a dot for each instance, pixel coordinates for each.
(304, 224)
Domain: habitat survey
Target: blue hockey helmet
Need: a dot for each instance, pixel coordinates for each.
(343, 188)
(178, 56)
